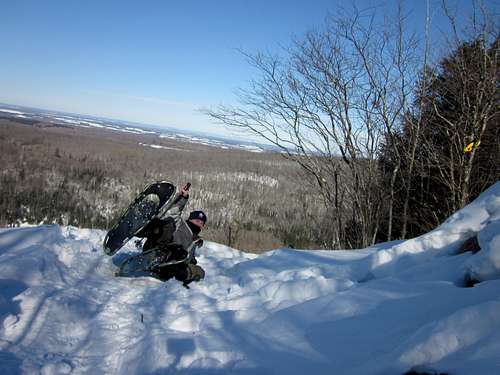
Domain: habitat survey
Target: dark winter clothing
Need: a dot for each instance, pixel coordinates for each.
(174, 237)
(200, 215)
(194, 228)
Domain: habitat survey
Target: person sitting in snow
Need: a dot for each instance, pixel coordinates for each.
(177, 239)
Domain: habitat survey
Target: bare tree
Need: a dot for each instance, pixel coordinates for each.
(327, 107)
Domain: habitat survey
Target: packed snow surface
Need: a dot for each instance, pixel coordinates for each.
(383, 310)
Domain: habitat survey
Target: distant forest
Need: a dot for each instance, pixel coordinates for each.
(86, 177)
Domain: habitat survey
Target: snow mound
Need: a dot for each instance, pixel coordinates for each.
(383, 310)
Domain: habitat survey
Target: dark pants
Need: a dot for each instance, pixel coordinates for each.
(159, 234)
(179, 271)
(184, 272)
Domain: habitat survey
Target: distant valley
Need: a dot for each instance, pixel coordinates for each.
(83, 171)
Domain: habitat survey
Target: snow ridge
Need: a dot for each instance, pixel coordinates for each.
(383, 310)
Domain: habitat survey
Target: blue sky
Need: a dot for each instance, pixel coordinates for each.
(154, 62)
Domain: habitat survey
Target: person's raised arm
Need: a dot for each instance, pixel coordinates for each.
(180, 202)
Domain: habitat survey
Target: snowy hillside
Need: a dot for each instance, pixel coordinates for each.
(383, 310)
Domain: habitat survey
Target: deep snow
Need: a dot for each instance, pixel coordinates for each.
(383, 310)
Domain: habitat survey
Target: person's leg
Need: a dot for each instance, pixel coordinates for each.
(163, 273)
(189, 273)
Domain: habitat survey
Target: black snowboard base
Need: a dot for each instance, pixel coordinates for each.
(143, 209)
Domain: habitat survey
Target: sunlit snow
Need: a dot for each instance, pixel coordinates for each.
(383, 310)
(11, 111)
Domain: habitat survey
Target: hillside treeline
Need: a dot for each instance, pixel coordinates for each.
(447, 149)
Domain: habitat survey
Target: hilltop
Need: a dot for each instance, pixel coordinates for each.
(429, 304)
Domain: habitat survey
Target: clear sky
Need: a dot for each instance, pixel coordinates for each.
(153, 62)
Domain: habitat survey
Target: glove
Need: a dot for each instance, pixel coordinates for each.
(194, 273)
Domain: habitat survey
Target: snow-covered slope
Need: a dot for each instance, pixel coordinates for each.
(383, 310)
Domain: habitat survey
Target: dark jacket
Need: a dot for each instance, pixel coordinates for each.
(171, 234)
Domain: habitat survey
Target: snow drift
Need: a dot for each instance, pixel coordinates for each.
(388, 309)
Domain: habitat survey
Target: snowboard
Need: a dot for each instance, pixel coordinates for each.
(153, 199)
(145, 263)
(138, 265)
